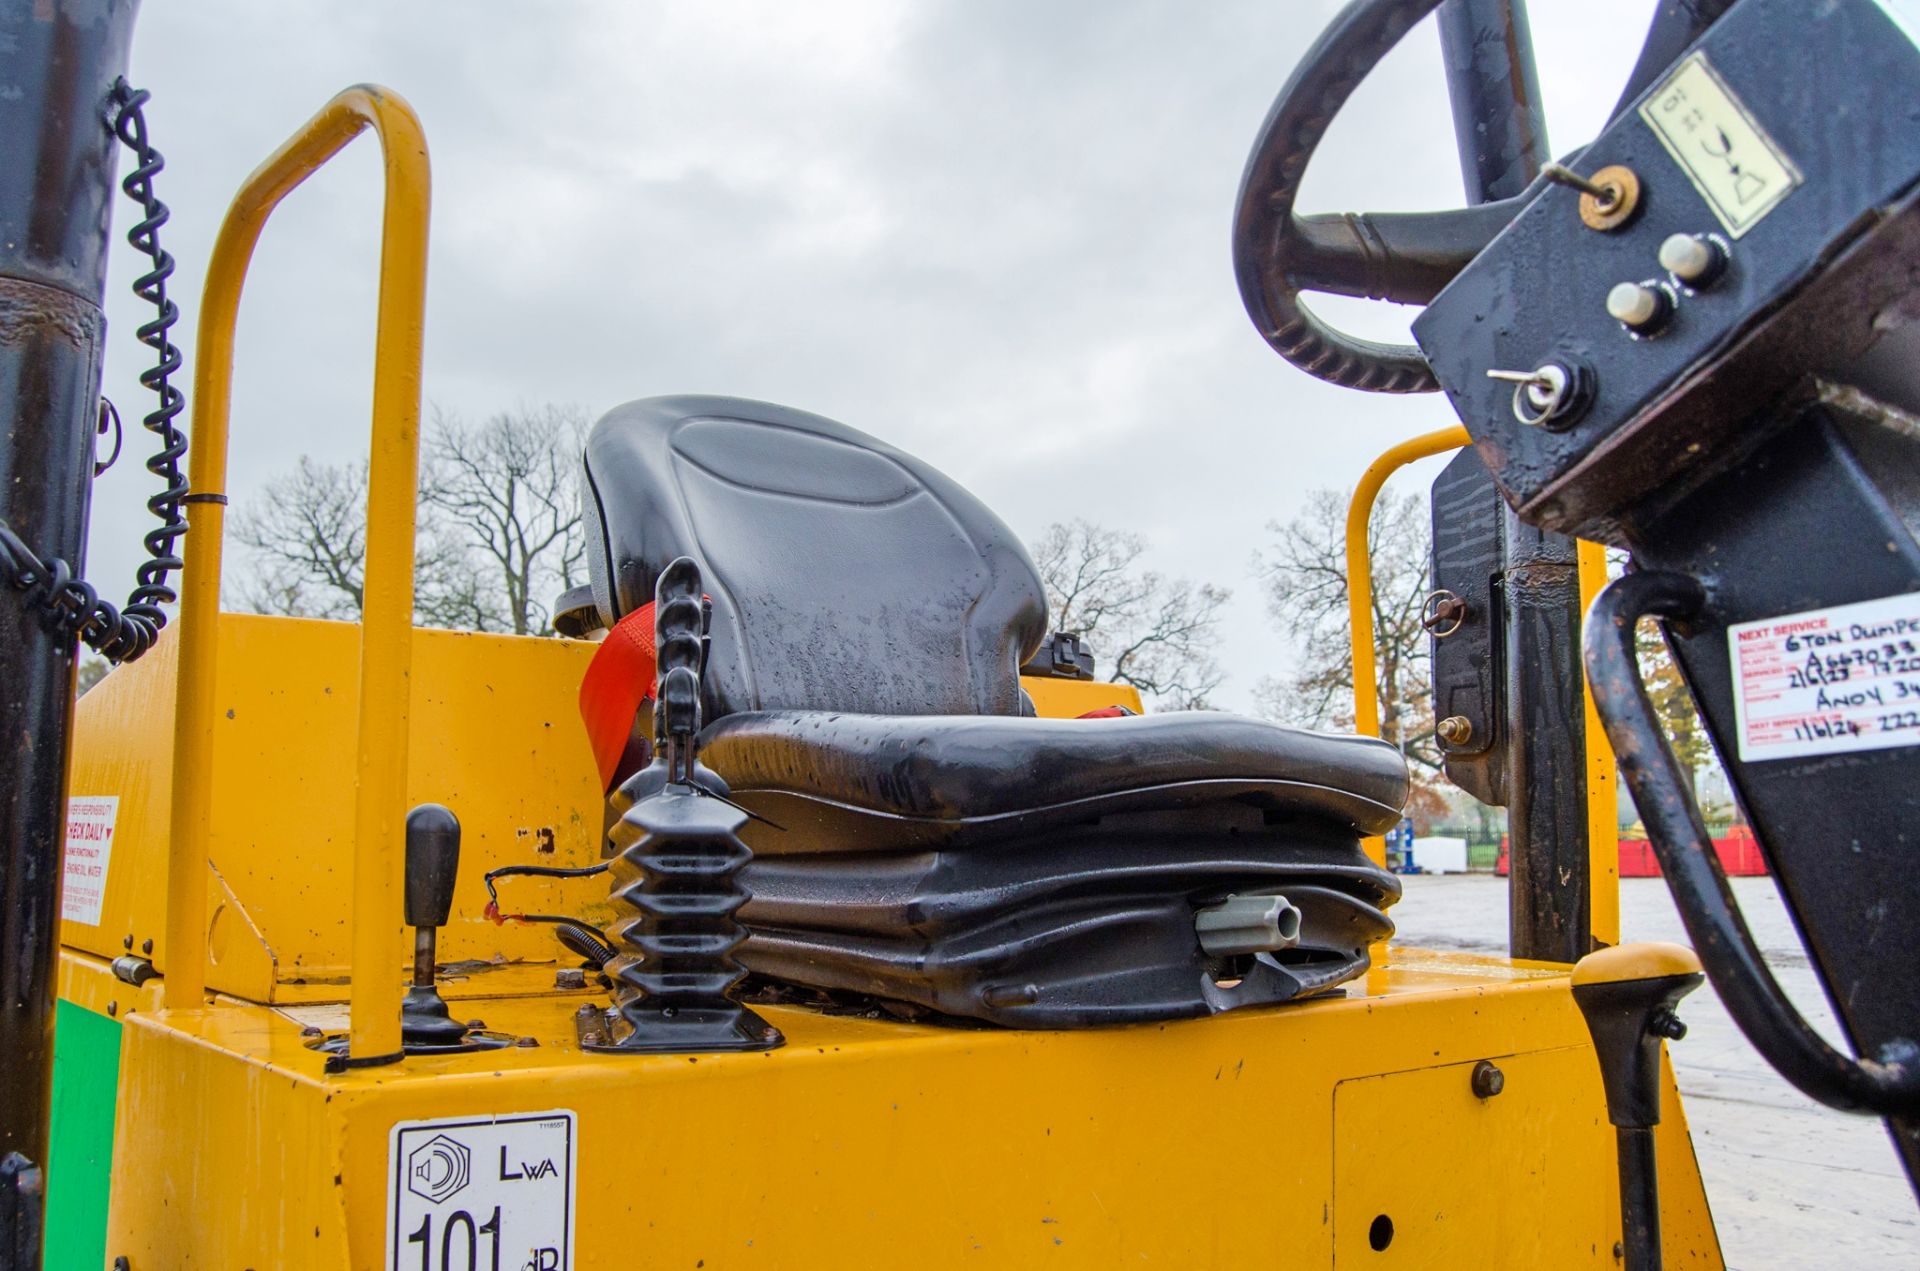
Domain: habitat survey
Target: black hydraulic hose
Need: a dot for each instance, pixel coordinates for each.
(1886, 1085)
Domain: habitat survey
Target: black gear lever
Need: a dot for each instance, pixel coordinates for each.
(433, 862)
(426, 1027)
(1628, 995)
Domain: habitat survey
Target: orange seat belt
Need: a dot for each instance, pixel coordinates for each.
(618, 681)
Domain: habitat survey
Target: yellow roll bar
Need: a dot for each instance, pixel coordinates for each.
(1604, 867)
(386, 632)
(1366, 682)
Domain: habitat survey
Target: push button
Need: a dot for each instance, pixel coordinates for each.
(1694, 259)
(1638, 307)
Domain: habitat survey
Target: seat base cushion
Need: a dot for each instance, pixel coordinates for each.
(1047, 873)
(1085, 926)
(851, 783)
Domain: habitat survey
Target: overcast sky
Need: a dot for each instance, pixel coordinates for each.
(994, 234)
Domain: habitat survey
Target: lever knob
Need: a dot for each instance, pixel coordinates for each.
(433, 860)
(1628, 995)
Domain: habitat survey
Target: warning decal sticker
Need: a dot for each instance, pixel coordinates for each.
(1828, 681)
(1718, 143)
(469, 1192)
(83, 889)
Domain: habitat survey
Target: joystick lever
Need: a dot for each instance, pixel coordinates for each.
(1628, 995)
(433, 861)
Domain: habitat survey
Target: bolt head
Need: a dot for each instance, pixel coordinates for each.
(1487, 1079)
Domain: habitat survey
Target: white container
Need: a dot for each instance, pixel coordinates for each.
(1440, 854)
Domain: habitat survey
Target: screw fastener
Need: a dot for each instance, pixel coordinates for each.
(1668, 1025)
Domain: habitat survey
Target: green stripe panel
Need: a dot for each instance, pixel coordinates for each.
(86, 1086)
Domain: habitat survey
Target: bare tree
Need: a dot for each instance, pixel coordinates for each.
(499, 528)
(307, 533)
(509, 486)
(1156, 633)
(1304, 571)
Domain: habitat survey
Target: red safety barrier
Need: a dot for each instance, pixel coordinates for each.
(1739, 854)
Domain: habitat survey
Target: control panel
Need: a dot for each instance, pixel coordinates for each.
(1463, 618)
(1749, 220)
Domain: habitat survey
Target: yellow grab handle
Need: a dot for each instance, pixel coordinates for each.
(386, 633)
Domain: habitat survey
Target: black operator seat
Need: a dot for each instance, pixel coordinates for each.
(926, 843)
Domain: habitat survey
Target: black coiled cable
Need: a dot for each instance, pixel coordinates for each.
(161, 543)
(70, 605)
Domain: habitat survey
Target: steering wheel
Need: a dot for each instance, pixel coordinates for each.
(1406, 257)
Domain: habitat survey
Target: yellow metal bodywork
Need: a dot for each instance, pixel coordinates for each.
(1259, 1138)
(1603, 790)
(1267, 1137)
(1064, 699)
(505, 749)
(278, 864)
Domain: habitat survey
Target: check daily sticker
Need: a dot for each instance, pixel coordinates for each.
(89, 849)
(1828, 681)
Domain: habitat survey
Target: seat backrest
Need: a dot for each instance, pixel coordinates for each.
(845, 575)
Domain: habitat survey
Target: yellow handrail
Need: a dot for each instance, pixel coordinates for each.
(1603, 866)
(1366, 684)
(386, 633)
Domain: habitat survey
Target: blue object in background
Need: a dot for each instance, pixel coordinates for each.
(1400, 848)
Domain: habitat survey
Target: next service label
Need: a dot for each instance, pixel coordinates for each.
(1828, 681)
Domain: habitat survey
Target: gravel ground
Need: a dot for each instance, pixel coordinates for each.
(1792, 1185)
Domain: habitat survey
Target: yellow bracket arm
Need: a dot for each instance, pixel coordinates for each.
(386, 633)
(1366, 683)
(1604, 865)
